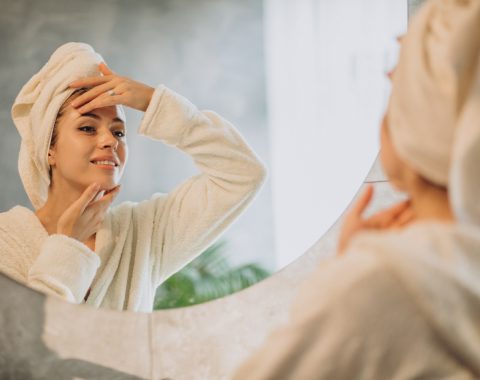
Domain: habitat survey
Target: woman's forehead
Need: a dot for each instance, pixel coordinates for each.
(110, 114)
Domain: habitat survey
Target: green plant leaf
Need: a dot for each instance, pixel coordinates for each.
(208, 277)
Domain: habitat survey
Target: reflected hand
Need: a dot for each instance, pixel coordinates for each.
(393, 217)
(85, 216)
(111, 89)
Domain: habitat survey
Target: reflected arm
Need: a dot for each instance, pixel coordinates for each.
(178, 226)
(56, 265)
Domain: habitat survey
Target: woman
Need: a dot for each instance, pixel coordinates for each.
(72, 157)
(402, 298)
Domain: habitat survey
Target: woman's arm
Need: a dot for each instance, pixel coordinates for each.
(187, 220)
(61, 266)
(172, 229)
(65, 268)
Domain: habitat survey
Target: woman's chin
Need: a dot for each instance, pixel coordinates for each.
(107, 185)
(106, 182)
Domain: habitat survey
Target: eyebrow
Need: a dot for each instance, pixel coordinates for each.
(93, 116)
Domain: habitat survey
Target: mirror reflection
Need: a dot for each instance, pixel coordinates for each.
(278, 76)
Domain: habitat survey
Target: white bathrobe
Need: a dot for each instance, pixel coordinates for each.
(398, 305)
(141, 244)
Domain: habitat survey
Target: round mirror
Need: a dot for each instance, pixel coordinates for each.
(303, 81)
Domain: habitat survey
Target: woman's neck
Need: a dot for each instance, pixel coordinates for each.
(430, 202)
(58, 201)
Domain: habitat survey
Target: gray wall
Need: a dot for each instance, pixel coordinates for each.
(210, 51)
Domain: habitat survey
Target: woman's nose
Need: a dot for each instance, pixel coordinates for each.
(108, 140)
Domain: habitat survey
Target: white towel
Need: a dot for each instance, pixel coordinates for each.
(434, 109)
(36, 107)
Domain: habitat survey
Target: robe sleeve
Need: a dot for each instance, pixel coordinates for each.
(351, 320)
(63, 267)
(181, 224)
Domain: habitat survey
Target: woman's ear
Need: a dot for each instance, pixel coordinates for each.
(51, 157)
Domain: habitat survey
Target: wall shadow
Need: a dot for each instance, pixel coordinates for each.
(23, 354)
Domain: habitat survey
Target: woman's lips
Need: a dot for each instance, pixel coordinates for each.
(104, 166)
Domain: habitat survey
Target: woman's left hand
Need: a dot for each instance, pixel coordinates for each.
(111, 89)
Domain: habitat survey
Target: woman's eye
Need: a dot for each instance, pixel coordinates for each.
(87, 128)
(119, 133)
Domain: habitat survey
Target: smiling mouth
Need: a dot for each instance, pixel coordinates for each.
(104, 163)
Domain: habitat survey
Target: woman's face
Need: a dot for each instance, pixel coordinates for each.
(392, 165)
(89, 148)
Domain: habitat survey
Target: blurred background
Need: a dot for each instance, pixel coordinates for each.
(303, 81)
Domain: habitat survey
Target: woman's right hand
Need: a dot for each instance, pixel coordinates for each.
(85, 216)
(396, 216)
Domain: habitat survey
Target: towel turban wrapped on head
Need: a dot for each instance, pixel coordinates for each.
(36, 107)
(434, 109)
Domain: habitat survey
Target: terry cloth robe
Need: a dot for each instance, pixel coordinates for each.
(141, 244)
(398, 305)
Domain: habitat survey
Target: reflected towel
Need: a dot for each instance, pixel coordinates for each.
(36, 107)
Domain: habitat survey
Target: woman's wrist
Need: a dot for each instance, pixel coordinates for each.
(148, 97)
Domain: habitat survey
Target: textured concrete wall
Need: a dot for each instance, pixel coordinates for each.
(210, 51)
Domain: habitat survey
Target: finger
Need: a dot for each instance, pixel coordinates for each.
(111, 194)
(116, 188)
(92, 94)
(392, 212)
(405, 218)
(105, 69)
(100, 102)
(106, 199)
(99, 195)
(89, 81)
(379, 221)
(363, 201)
(384, 218)
(87, 196)
(395, 212)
